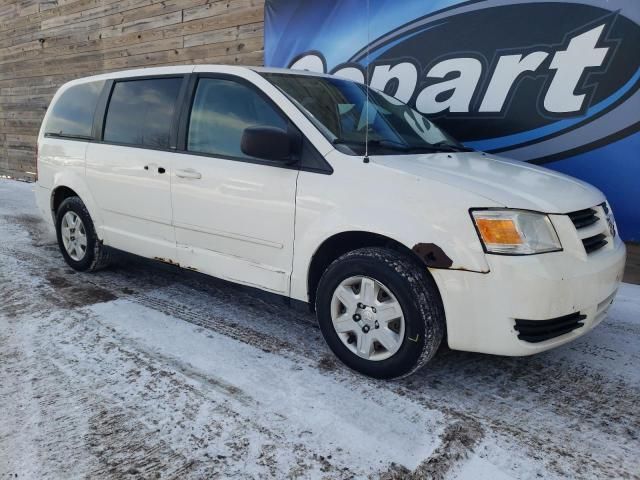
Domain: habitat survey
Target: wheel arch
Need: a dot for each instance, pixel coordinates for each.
(59, 195)
(343, 242)
(67, 184)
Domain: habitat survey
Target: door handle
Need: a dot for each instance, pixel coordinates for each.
(154, 166)
(188, 173)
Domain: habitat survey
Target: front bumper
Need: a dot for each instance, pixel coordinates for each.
(481, 309)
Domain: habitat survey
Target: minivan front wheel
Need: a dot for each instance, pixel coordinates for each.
(379, 312)
(368, 318)
(77, 239)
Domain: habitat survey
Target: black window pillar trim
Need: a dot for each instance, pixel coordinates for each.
(173, 133)
(101, 110)
(188, 93)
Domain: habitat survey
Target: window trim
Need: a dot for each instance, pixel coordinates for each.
(67, 136)
(101, 122)
(318, 163)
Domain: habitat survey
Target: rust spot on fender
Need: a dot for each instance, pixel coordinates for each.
(432, 255)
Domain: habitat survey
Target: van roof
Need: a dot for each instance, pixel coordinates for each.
(288, 71)
(181, 69)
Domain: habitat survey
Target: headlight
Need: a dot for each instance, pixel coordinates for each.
(515, 232)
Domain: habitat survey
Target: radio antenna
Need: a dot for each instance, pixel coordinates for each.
(366, 72)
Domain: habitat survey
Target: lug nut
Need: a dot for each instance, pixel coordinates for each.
(373, 309)
(377, 325)
(366, 329)
(356, 317)
(361, 305)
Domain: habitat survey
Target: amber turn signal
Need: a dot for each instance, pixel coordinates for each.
(498, 231)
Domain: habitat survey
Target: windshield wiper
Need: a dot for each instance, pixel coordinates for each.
(390, 144)
(403, 147)
(452, 148)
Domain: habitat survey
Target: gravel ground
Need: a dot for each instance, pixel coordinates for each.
(146, 371)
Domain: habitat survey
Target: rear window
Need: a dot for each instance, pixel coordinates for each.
(72, 114)
(141, 112)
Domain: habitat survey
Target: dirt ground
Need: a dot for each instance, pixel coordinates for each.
(146, 371)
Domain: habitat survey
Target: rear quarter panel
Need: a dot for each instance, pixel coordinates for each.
(61, 163)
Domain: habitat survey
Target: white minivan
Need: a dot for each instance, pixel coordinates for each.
(323, 191)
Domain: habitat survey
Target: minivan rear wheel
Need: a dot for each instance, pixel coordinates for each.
(77, 239)
(380, 312)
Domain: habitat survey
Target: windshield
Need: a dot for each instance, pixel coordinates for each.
(339, 110)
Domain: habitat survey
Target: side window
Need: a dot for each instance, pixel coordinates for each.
(141, 112)
(72, 114)
(221, 110)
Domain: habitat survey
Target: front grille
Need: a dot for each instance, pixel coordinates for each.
(584, 218)
(534, 331)
(591, 244)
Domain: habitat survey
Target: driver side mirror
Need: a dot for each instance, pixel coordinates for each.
(269, 143)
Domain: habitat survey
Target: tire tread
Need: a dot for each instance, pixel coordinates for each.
(425, 295)
(101, 255)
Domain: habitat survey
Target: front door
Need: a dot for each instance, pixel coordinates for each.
(233, 214)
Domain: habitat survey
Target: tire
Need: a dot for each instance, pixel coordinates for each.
(408, 285)
(94, 255)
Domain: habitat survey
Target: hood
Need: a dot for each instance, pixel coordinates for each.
(511, 183)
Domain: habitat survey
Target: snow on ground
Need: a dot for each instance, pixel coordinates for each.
(146, 371)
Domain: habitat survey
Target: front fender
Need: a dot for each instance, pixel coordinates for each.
(435, 250)
(427, 217)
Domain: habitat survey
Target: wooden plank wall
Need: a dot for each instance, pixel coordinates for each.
(44, 43)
